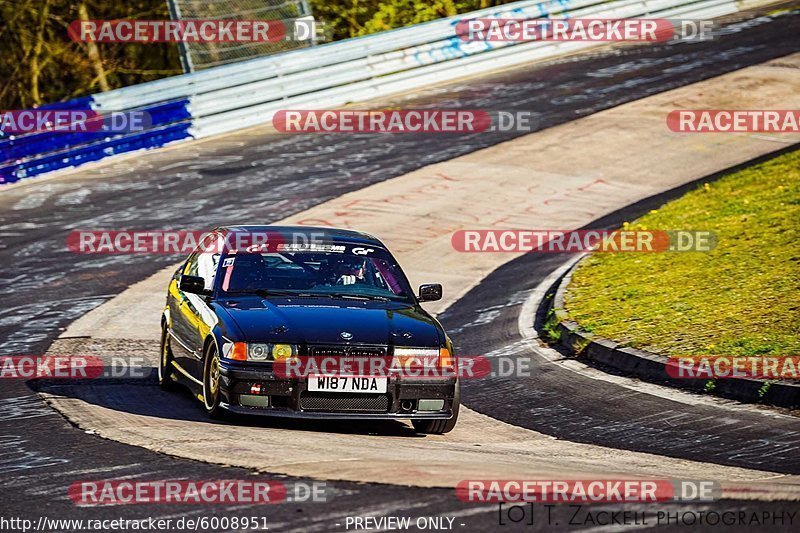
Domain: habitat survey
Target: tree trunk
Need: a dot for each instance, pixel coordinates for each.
(94, 53)
(36, 67)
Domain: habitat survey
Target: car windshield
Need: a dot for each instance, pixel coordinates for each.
(333, 271)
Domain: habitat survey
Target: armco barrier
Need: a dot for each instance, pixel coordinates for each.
(240, 95)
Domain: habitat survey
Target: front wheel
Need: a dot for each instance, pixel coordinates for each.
(211, 395)
(439, 427)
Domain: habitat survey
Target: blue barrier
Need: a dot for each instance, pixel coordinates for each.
(25, 156)
(75, 156)
(20, 147)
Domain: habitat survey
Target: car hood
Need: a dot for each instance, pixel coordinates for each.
(329, 321)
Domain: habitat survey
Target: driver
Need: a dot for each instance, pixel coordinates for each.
(351, 270)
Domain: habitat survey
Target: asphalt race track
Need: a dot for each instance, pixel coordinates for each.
(265, 177)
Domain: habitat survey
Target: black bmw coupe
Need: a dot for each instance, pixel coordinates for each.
(310, 323)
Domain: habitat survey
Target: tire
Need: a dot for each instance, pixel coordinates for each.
(165, 369)
(440, 427)
(211, 380)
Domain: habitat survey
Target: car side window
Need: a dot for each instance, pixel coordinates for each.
(190, 269)
(204, 263)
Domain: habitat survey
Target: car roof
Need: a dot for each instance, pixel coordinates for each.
(328, 234)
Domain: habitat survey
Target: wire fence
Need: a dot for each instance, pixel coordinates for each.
(202, 55)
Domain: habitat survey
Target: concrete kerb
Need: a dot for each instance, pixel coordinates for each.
(650, 366)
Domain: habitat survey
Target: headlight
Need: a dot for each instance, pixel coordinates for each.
(439, 358)
(407, 358)
(400, 351)
(257, 352)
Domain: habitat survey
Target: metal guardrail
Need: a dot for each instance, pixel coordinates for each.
(231, 97)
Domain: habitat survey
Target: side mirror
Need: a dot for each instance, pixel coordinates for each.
(430, 292)
(193, 284)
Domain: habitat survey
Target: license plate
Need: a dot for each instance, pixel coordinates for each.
(357, 384)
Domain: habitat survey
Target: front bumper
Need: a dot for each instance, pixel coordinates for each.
(289, 397)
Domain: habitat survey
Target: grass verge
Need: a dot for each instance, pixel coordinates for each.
(742, 298)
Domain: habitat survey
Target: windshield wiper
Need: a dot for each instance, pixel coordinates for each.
(357, 296)
(264, 293)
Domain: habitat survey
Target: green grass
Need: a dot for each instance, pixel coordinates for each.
(550, 330)
(742, 298)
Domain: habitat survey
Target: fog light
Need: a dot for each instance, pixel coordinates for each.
(282, 351)
(430, 405)
(248, 400)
